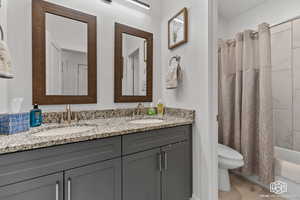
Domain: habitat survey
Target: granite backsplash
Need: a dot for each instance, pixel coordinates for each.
(55, 117)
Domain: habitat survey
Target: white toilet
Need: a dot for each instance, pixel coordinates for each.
(228, 159)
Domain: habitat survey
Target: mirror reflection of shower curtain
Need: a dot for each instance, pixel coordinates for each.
(245, 101)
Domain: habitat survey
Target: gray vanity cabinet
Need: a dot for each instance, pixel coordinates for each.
(152, 165)
(44, 188)
(100, 181)
(141, 176)
(176, 173)
(158, 165)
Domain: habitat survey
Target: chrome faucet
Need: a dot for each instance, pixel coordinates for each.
(69, 114)
(138, 110)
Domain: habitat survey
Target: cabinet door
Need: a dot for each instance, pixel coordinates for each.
(44, 188)
(100, 181)
(176, 175)
(142, 176)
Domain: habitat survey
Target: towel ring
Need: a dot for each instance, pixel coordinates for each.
(2, 33)
(177, 58)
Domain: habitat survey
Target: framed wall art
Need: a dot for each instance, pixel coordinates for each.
(178, 29)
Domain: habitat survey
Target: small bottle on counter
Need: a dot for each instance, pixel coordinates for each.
(36, 118)
(151, 110)
(160, 108)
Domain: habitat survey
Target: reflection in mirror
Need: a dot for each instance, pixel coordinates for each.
(133, 65)
(66, 56)
(134, 52)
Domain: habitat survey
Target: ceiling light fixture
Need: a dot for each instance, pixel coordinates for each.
(140, 3)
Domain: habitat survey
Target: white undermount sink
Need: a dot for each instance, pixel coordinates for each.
(146, 121)
(64, 130)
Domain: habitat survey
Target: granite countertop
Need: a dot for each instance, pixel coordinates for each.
(103, 128)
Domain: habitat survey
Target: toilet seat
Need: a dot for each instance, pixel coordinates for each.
(228, 153)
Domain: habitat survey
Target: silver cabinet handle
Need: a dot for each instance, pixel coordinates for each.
(69, 188)
(159, 162)
(57, 191)
(165, 160)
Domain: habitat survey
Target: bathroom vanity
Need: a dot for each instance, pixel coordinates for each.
(101, 155)
(117, 160)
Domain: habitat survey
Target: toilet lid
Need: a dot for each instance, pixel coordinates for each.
(229, 153)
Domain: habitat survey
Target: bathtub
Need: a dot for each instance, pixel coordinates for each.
(287, 168)
(287, 155)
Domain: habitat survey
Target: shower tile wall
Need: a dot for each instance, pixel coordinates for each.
(296, 59)
(286, 84)
(282, 85)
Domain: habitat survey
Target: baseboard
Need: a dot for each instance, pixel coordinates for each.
(195, 197)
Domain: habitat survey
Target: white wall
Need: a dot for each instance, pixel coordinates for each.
(223, 28)
(272, 12)
(19, 28)
(3, 82)
(194, 91)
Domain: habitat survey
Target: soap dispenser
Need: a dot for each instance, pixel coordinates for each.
(160, 107)
(36, 118)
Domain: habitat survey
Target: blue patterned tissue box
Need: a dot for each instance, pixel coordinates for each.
(14, 123)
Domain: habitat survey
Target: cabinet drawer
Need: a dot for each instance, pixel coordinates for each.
(153, 139)
(25, 165)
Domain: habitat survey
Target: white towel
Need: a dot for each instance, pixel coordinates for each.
(5, 60)
(174, 76)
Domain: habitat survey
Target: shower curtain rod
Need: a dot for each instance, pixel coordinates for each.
(254, 34)
(286, 21)
(289, 20)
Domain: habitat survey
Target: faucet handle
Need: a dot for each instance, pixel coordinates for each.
(140, 108)
(76, 119)
(68, 107)
(62, 119)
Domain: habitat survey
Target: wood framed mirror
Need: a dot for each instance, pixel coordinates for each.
(64, 53)
(133, 65)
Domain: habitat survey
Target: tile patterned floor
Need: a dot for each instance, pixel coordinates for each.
(245, 190)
